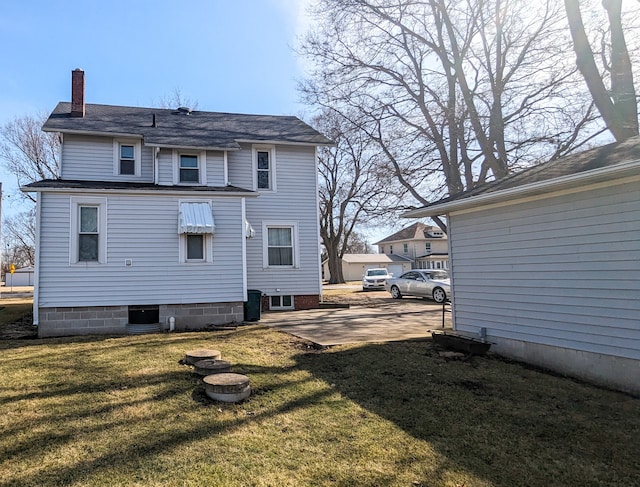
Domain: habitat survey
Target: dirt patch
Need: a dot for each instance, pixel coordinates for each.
(359, 298)
(20, 329)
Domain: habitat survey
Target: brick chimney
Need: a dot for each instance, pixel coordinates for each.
(77, 93)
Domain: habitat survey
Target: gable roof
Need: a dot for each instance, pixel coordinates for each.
(417, 231)
(183, 128)
(614, 160)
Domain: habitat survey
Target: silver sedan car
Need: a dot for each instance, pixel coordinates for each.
(426, 283)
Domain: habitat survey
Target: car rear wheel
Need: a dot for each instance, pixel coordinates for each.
(395, 292)
(439, 296)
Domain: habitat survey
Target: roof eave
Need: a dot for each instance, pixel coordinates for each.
(187, 147)
(92, 132)
(629, 168)
(286, 142)
(173, 191)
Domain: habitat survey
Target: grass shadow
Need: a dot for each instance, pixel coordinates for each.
(506, 423)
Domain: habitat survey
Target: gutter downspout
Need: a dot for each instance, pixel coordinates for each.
(36, 271)
(243, 215)
(156, 152)
(225, 167)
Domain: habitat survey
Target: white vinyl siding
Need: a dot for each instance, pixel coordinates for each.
(294, 201)
(561, 271)
(95, 159)
(241, 167)
(155, 275)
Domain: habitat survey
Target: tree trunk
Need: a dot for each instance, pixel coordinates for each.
(615, 117)
(335, 267)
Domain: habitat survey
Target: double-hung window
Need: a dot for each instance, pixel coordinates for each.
(189, 167)
(280, 245)
(127, 157)
(427, 247)
(88, 243)
(264, 166)
(189, 170)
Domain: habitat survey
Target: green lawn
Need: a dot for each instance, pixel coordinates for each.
(123, 411)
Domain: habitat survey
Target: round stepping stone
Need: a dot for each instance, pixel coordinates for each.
(211, 366)
(227, 387)
(193, 356)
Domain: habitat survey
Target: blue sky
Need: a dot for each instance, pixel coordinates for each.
(227, 55)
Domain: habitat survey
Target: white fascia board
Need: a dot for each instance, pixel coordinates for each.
(203, 194)
(563, 182)
(94, 132)
(187, 147)
(285, 142)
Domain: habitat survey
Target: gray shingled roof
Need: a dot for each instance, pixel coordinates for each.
(175, 128)
(598, 158)
(128, 186)
(412, 232)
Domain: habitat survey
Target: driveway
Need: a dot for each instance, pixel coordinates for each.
(394, 320)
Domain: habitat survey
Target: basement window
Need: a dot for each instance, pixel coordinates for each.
(280, 302)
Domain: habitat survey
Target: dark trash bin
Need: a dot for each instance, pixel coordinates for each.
(253, 305)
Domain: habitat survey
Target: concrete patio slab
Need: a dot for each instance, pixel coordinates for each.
(393, 321)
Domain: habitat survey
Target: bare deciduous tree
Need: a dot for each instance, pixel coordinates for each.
(352, 186)
(453, 93)
(29, 153)
(618, 104)
(19, 239)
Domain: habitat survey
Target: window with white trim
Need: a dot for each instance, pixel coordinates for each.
(281, 302)
(189, 167)
(264, 167)
(127, 157)
(427, 247)
(405, 248)
(88, 229)
(280, 245)
(195, 227)
(189, 170)
(195, 247)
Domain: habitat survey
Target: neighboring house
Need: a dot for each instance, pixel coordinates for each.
(546, 264)
(426, 246)
(173, 213)
(21, 277)
(355, 265)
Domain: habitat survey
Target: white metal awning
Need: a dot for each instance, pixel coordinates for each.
(195, 218)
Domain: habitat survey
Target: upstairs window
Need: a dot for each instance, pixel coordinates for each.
(127, 156)
(264, 166)
(127, 160)
(189, 170)
(405, 248)
(427, 247)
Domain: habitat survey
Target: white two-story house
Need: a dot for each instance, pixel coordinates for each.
(171, 216)
(426, 246)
